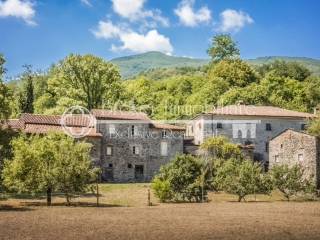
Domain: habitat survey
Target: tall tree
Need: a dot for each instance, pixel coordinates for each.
(223, 48)
(26, 96)
(5, 95)
(86, 79)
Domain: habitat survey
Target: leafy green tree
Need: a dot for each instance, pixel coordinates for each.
(289, 180)
(86, 79)
(46, 164)
(5, 95)
(223, 48)
(285, 69)
(220, 147)
(26, 96)
(314, 127)
(242, 178)
(236, 72)
(182, 175)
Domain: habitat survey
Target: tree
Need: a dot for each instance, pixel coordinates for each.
(5, 95)
(241, 178)
(281, 68)
(26, 96)
(47, 163)
(220, 147)
(236, 72)
(223, 48)
(86, 79)
(289, 180)
(314, 128)
(179, 180)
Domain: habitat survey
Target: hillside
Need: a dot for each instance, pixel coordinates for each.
(135, 64)
(130, 66)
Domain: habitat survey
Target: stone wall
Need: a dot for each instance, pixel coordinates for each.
(123, 164)
(289, 146)
(243, 130)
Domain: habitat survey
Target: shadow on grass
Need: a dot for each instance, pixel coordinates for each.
(72, 204)
(9, 208)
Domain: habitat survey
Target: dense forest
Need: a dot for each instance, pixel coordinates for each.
(175, 93)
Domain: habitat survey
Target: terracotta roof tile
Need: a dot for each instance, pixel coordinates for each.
(167, 126)
(119, 115)
(265, 111)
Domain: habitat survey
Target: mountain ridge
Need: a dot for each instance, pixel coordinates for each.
(132, 65)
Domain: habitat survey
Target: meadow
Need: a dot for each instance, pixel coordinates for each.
(124, 214)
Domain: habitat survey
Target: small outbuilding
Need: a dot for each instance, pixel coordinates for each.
(293, 147)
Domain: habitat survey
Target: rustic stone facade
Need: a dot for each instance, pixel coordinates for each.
(292, 147)
(132, 151)
(245, 129)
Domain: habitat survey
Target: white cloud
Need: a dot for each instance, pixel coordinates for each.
(233, 21)
(19, 9)
(133, 41)
(86, 2)
(190, 17)
(133, 10)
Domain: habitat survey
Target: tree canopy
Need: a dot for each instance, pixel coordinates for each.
(223, 48)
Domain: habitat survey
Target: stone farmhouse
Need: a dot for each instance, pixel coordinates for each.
(292, 147)
(247, 125)
(128, 146)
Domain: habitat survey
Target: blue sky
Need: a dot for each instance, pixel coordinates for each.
(41, 32)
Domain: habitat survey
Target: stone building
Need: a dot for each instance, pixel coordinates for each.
(128, 146)
(292, 147)
(246, 125)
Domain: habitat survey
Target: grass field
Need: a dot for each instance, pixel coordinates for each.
(124, 214)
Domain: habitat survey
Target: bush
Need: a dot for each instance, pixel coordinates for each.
(161, 189)
(290, 180)
(183, 177)
(242, 178)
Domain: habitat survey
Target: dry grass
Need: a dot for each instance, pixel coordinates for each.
(221, 218)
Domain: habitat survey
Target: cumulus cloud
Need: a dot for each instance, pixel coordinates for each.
(233, 21)
(18, 9)
(133, 10)
(190, 17)
(133, 41)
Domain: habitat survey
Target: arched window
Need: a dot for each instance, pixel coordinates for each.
(248, 133)
(239, 134)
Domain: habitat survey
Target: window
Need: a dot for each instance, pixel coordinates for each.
(134, 130)
(109, 150)
(110, 165)
(164, 149)
(135, 150)
(129, 165)
(219, 125)
(303, 126)
(199, 126)
(300, 157)
(281, 145)
(268, 127)
(112, 129)
(164, 134)
(267, 147)
(276, 159)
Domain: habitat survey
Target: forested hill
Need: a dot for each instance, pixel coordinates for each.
(135, 64)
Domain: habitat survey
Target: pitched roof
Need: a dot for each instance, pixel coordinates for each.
(263, 111)
(41, 124)
(291, 130)
(167, 126)
(119, 115)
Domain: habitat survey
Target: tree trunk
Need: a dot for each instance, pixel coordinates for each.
(49, 193)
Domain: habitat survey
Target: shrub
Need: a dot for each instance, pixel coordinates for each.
(183, 177)
(290, 180)
(242, 178)
(161, 189)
